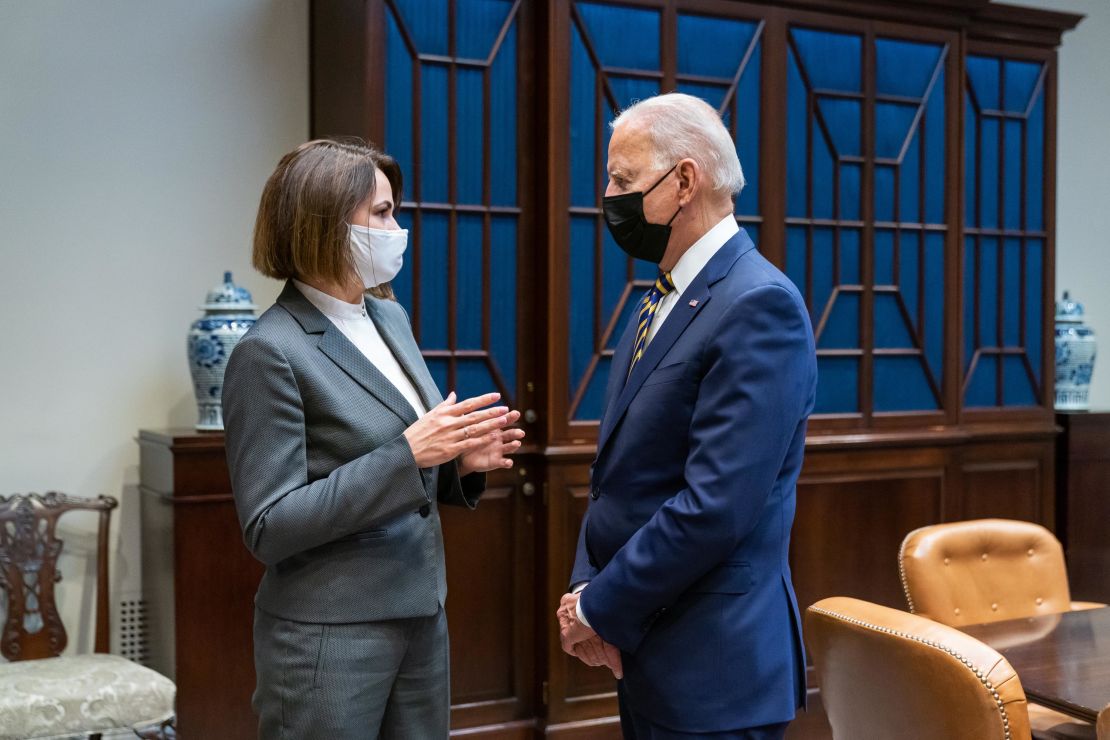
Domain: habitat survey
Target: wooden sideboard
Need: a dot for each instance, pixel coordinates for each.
(199, 582)
(1083, 501)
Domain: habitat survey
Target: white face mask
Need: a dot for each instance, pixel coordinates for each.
(378, 253)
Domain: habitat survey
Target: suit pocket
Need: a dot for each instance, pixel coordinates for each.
(728, 578)
(368, 534)
(667, 374)
(589, 552)
(321, 650)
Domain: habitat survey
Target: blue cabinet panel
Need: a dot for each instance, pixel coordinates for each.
(469, 127)
(504, 299)
(469, 287)
(718, 60)
(842, 327)
(426, 24)
(503, 122)
(838, 384)
(1003, 290)
(433, 279)
(434, 133)
(399, 123)
(1034, 166)
(906, 68)
(449, 58)
(1034, 307)
(832, 61)
(827, 162)
(477, 24)
(636, 46)
(747, 110)
(902, 385)
(712, 47)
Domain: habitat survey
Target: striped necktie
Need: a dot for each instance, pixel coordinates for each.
(648, 306)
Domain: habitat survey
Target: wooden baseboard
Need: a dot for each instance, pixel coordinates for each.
(602, 728)
(522, 730)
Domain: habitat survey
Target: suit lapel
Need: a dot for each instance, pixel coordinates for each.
(618, 370)
(399, 341)
(348, 357)
(344, 354)
(676, 322)
(686, 308)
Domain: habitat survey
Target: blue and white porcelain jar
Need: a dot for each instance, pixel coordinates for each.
(228, 314)
(1075, 356)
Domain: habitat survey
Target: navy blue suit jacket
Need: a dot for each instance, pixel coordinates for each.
(686, 538)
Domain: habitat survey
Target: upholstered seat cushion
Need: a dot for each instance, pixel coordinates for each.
(59, 697)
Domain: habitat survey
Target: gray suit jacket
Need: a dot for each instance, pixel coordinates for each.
(328, 493)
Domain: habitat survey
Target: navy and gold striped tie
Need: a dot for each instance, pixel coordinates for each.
(648, 306)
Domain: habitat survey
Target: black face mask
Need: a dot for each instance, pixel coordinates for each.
(624, 215)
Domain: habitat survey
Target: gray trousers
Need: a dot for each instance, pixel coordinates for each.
(360, 681)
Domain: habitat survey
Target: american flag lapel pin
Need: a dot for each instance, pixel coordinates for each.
(694, 303)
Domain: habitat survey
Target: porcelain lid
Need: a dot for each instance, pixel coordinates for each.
(1069, 310)
(228, 297)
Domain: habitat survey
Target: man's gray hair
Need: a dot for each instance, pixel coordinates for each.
(683, 126)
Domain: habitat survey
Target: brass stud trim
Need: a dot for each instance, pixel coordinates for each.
(979, 674)
(902, 569)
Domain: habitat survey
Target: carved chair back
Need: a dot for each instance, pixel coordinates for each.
(29, 553)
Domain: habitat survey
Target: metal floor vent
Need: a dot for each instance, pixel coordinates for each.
(131, 629)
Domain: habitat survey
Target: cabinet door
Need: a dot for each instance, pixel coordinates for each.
(1007, 279)
(870, 199)
(717, 56)
(490, 613)
(608, 57)
(457, 117)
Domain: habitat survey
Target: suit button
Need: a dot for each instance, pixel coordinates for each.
(595, 494)
(425, 510)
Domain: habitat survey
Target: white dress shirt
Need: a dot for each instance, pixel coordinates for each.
(682, 274)
(359, 328)
(689, 265)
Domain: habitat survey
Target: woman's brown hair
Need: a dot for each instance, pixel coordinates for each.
(303, 218)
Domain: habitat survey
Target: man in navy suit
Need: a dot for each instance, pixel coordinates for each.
(681, 583)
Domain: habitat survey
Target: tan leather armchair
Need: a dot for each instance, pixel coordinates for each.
(989, 570)
(889, 674)
(984, 570)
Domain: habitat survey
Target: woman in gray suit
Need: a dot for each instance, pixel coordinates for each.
(340, 449)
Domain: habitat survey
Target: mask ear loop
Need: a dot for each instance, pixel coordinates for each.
(370, 246)
(661, 179)
(354, 262)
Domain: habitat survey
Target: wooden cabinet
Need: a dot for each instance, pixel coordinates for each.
(900, 159)
(199, 582)
(1083, 496)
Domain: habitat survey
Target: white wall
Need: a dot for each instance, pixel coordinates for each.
(1083, 190)
(135, 137)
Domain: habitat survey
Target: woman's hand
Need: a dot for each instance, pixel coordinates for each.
(453, 429)
(494, 453)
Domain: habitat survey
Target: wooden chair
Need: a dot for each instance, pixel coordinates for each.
(44, 694)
